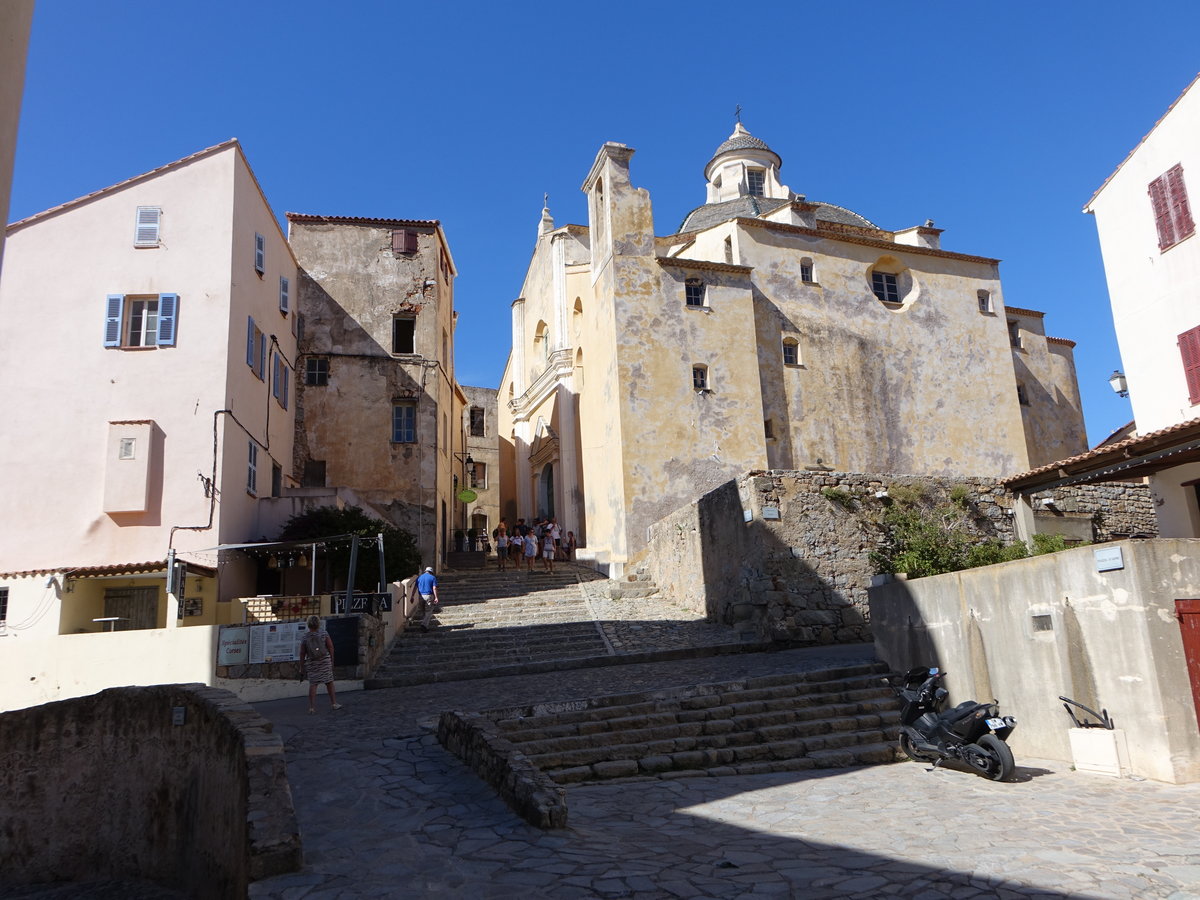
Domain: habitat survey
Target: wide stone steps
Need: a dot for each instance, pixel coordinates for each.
(774, 724)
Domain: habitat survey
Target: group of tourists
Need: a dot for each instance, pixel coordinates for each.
(527, 542)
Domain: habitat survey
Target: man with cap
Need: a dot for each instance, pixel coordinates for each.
(427, 588)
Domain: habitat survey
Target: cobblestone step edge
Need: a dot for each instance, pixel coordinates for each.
(475, 738)
(586, 662)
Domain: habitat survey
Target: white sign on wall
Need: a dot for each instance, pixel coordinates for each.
(276, 643)
(1108, 559)
(233, 646)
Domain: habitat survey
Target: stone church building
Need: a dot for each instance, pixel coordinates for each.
(768, 331)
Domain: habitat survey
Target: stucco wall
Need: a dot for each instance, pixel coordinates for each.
(1106, 639)
(773, 556)
(109, 786)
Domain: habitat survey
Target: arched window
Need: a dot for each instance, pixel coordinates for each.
(579, 369)
(985, 301)
(806, 270)
(541, 340)
(577, 316)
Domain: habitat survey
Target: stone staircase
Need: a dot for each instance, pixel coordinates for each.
(496, 623)
(635, 585)
(831, 718)
(775, 724)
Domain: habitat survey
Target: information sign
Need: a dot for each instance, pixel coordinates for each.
(1108, 559)
(276, 643)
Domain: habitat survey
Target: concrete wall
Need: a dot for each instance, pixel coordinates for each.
(110, 786)
(1028, 631)
(774, 556)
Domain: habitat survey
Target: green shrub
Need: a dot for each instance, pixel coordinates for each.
(1049, 543)
(959, 494)
(994, 551)
(907, 494)
(836, 495)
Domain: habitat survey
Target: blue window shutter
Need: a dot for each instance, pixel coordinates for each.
(286, 379)
(260, 253)
(168, 312)
(275, 377)
(262, 356)
(250, 341)
(283, 294)
(113, 308)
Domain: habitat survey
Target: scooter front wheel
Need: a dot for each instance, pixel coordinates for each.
(907, 748)
(991, 757)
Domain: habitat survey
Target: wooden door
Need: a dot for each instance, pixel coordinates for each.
(1188, 613)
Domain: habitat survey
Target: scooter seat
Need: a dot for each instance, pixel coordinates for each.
(964, 709)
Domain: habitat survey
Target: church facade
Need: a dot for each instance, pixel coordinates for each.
(768, 331)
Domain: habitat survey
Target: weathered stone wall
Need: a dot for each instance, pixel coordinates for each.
(786, 555)
(476, 740)
(108, 787)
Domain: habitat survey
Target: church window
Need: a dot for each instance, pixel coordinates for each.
(1189, 349)
(806, 270)
(791, 352)
(729, 249)
(1172, 214)
(985, 301)
(884, 286)
(577, 316)
(755, 181)
(404, 334)
(700, 378)
(693, 290)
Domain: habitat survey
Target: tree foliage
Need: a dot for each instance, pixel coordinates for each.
(400, 553)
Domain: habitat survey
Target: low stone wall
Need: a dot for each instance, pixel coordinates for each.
(184, 785)
(785, 556)
(475, 739)
(372, 644)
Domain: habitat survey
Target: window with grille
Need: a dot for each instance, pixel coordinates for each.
(791, 352)
(316, 372)
(700, 378)
(755, 182)
(404, 423)
(3, 606)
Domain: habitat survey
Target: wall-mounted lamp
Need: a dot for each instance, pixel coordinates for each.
(1118, 383)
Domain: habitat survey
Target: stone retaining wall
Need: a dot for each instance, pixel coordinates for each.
(184, 785)
(785, 556)
(475, 739)
(372, 645)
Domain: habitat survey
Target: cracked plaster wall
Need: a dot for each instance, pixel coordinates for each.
(352, 287)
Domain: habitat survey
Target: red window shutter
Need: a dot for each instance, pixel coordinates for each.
(398, 241)
(1162, 212)
(410, 242)
(1189, 349)
(1181, 212)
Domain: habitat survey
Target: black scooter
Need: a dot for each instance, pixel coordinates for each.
(974, 733)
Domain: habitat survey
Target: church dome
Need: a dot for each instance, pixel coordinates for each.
(739, 143)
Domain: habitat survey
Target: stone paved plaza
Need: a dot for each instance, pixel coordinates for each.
(386, 812)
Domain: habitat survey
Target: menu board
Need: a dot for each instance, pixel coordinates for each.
(276, 643)
(233, 646)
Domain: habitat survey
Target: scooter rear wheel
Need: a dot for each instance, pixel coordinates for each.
(994, 759)
(907, 748)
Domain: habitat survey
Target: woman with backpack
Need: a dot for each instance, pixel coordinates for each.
(316, 661)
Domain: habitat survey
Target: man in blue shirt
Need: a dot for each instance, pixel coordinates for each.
(427, 588)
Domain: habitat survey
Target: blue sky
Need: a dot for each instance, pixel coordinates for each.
(996, 120)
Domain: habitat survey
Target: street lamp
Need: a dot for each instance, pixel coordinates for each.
(466, 495)
(1118, 383)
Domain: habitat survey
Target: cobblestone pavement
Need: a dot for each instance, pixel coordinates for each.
(386, 812)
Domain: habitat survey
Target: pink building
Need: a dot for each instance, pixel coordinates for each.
(148, 402)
